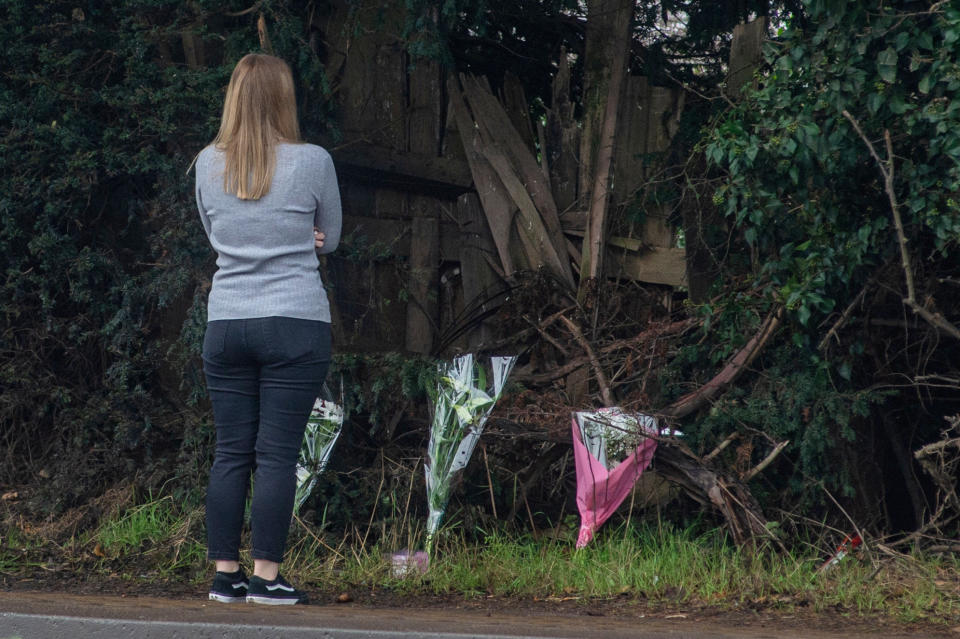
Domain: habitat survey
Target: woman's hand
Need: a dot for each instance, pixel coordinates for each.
(318, 237)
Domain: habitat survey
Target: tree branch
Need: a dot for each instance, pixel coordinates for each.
(887, 171)
(605, 392)
(750, 474)
(730, 372)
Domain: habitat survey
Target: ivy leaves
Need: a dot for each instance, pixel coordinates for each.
(801, 186)
(887, 65)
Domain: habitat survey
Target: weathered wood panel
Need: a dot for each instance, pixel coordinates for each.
(648, 118)
(411, 171)
(392, 236)
(657, 265)
(477, 255)
(422, 285)
(745, 53)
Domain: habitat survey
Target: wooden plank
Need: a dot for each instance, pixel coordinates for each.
(423, 108)
(373, 84)
(745, 53)
(497, 205)
(496, 131)
(422, 282)
(634, 122)
(479, 280)
(411, 171)
(392, 236)
(533, 233)
(658, 265)
(647, 122)
(390, 203)
(515, 104)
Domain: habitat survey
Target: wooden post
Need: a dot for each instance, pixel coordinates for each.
(616, 29)
(422, 284)
(477, 251)
(745, 53)
(562, 140)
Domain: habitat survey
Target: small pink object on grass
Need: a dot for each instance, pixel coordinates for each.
(406, 563)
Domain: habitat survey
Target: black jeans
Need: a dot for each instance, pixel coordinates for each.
(263, 376)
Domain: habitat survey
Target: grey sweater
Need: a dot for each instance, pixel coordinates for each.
(266, 261)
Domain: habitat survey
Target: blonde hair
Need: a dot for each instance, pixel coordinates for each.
(259, 111)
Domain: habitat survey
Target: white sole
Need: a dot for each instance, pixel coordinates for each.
(271, 601)
(214, 596)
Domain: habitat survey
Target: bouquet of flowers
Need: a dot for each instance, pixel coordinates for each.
(611, 449)
(323, 429)
(461, 409)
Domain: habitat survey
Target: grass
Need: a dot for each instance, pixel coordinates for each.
(651, 565)
(155, 530)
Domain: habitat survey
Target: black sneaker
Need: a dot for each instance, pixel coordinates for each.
(229, 587)
(277, 592)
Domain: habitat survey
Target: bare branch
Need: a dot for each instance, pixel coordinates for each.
(250, 9)
(730, 372)
(605, 392)
(750, 474)
(887, 171)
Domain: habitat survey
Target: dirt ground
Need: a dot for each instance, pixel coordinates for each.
(170, 599)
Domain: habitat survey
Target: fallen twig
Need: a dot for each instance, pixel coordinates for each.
(605, 392)
(750, 474)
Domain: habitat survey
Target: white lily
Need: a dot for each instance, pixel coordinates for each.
(461, 409)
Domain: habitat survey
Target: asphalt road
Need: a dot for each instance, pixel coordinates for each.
(25, 615)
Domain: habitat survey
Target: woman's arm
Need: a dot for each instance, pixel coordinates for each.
(328, 218)
(204, 218)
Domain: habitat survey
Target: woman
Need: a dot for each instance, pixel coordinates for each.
(269, 203)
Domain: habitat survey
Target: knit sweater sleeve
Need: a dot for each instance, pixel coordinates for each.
(328, 217)
(204, 218)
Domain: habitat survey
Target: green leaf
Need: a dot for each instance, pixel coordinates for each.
(897, 105)
(887, 65)
(845, 371)
(926, 82)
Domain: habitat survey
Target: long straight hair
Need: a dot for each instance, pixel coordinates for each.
(260, 110)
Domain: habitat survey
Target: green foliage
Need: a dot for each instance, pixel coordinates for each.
(138, 527)
(814, 228)
(102, 253)
(802, 186)
(378, 385)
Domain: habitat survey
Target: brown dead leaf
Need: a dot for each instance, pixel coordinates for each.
(10, 496)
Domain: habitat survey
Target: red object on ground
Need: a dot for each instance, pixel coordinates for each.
(849, 544)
